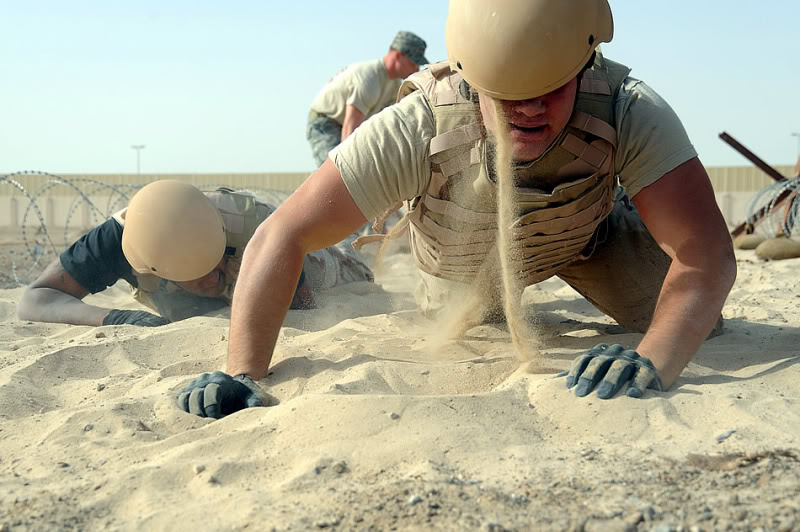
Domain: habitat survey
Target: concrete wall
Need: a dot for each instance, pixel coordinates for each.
(60, 204)
(734, 187)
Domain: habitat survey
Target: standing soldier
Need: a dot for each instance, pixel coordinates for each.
(360, 91)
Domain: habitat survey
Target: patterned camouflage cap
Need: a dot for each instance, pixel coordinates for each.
(411, 45)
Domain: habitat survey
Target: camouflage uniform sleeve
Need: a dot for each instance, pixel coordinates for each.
(651, 139)
(387, 159)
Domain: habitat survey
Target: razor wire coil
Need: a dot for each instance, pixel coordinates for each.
(773, 210)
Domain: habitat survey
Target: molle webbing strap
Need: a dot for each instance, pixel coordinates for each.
(593, 85)
(367, 239)
(461, 135)
(438, 180)
(595, 126)
(558, 226)
(577, 167)
(528, 255)
(446, 98)
(450, 237)
(584, 151)
(396, 232)
(460, 162)
(452, 209)
(598, 194)
(462, 250)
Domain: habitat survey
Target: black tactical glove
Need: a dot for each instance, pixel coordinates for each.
(218, 394)
(612, 366)
(134, 317)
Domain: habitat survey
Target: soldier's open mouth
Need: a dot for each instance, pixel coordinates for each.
(537, 129)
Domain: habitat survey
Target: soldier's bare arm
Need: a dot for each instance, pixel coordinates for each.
(319, 214)
(352, 119)
(682, 215)
(56, 297)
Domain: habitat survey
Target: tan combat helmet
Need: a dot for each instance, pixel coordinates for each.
(520, 49)
(173, 230)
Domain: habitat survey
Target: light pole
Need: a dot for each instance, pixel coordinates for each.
(796, 134)
(138, 148)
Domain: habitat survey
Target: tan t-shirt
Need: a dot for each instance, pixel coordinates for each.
(386, 160)
(366, 86)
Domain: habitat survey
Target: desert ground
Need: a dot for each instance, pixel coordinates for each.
(384, 423)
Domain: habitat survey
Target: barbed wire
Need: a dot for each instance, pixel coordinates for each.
(770, 217)
(97, 198)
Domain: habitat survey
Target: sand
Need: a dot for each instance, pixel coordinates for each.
(383, 425)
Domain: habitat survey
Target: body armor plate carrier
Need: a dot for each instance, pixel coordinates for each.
(563, 196)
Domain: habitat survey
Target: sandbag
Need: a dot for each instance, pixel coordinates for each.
(744, 241)
(778, 248)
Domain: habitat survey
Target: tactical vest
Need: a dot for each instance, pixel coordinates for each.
(241, 214)
(563, 196)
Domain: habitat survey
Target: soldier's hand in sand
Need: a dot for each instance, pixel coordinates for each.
(134, 317)
(607, 368)
(217, 395)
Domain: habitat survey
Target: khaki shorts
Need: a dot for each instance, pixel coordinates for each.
(621, 272)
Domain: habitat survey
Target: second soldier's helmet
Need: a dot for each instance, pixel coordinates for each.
(173, 230)
(520, 49)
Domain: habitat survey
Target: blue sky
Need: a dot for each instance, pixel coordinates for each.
(225, 87)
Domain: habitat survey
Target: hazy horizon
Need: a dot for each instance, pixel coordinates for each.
(208, 88)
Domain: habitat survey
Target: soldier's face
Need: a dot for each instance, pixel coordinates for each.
(400, 66)
(211, 284)
(535, 123)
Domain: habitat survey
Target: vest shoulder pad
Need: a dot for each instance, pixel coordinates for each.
(429, 81)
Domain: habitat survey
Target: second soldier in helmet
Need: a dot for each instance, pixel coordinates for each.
(180, 250)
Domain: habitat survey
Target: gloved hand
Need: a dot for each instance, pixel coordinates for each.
(612, 366)
(134, 317)
(218, 394)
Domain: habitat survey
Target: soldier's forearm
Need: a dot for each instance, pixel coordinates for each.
(688, 308)
(270, 271)
(53, 306)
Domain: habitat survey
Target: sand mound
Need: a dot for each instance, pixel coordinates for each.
(380, 426)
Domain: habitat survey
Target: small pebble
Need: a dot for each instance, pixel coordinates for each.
(88, 427)
(634, 518)
(663, 528)
(414, 499)
(100, 334)
(724, 436)
(394, 415)
(101, 387)
(199, 468)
